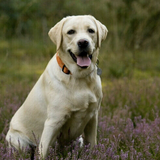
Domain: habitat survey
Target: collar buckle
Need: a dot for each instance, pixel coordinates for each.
(65, 70)
(62, 65)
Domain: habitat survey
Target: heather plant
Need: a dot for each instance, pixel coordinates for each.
(132, 98)
(121, 135)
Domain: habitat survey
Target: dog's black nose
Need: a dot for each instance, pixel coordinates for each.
(83, 43)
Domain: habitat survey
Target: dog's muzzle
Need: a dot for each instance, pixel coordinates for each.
(83, 59)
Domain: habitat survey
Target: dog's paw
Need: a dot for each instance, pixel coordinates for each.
(81, 141)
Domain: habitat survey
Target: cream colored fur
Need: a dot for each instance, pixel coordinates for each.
(61, 104)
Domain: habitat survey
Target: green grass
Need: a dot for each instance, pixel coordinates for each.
(127, 76)
(23, 61)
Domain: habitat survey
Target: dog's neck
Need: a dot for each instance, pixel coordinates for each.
(62, 65)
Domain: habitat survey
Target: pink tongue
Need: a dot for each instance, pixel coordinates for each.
(83, 61)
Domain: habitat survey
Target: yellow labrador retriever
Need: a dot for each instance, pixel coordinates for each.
(65, 100)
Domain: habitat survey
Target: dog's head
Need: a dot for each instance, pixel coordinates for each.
(78, 39)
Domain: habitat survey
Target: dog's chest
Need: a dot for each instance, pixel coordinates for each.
(74, 126)
(80, 100)
(83, 106)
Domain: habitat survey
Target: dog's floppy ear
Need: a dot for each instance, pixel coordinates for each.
(55, 33)
(102, 32)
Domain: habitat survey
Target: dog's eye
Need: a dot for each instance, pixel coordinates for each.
(71, 31)
(91, 30)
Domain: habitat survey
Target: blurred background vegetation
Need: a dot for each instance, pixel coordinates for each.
(132, 24)
(129, 57)
(133, 39)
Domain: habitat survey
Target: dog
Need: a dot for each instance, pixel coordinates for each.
(64, 102)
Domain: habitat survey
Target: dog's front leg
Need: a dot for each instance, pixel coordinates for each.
(90, 131)
(50, 133)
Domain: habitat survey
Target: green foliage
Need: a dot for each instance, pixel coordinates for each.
(131, 24)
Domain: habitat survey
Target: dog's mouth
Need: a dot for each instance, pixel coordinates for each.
(83, 60)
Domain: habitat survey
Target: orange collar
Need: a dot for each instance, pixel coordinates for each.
(62, 65)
